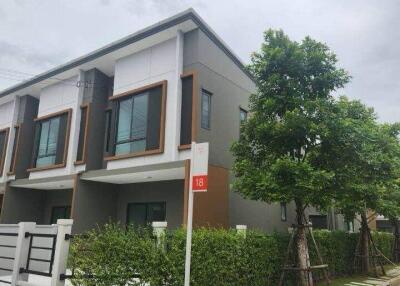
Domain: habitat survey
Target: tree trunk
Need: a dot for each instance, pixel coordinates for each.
(303, 256)
(396, 243)
(364, 247)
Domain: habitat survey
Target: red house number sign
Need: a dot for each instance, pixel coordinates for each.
(200, 183)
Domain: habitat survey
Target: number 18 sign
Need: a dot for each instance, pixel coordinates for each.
(198, 183)
(200, 167)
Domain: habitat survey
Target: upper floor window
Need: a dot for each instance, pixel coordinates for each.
(140, 121)
(51, 138)
(186, 110)
(3, 147)
(205, 109)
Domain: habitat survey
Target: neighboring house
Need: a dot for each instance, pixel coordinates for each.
(106, 137)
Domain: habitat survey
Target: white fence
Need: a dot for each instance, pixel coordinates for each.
(29, 251)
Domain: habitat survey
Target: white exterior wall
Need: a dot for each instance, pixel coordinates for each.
(58, 97)
(158, 63)
(8, 118)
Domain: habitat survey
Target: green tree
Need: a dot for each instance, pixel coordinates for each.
(364, 157)
(275, 157)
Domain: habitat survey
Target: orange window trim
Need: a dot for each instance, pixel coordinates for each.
(85, 136)
(163, 84)
(66, 143)
(195, 91)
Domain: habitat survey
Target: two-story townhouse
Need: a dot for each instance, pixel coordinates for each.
(106, 137)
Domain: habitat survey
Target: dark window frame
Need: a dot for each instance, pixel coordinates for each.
(116, 98)
(147, 204)
(6, 132)
(319, 217)
(67, 209)
(40, 120)
(83, 135)
(17, 130)
(195, 90)
(242, 110)
(107, 134)
(207, 93)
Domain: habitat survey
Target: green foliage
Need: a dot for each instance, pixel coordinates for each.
(288, 112)
(364, 157)
(220, 257)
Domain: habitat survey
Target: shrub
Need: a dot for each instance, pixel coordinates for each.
(113, 254)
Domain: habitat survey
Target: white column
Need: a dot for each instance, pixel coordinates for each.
(11, 136)
(76, 122)
(241, 230)
(21, 252)
(64, 227)
(178, 86)
(159, 229)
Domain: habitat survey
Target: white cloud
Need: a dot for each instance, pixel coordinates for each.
(364, 33)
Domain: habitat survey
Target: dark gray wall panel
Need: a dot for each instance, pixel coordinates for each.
(94, 204)
(170, 192)
(27, 112)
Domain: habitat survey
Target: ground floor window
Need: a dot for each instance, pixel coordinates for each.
(63, 212)
(283, 212)
(349, 225)
(143, 214)
(319, 221)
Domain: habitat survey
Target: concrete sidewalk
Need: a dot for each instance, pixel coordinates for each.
(392, 278)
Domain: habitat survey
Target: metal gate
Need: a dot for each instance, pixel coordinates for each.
(5, 257)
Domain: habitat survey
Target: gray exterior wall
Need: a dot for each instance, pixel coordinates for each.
(98, 203)
(22, 204)
(230, 89)
(94, 204)
(28, 109)
(97, 96)
(170, 192)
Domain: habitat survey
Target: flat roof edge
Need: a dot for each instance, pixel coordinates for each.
(189, 14)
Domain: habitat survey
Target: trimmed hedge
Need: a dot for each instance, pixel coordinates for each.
(113, 255)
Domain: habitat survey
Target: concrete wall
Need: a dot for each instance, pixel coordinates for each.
(259, 215)
(170, 192)
(54, 198)
(149, 66)
(22, 204)
(93, 204)
(28, 109)
(230, 87)
(8, 118)
(97, 96)
(57, 97)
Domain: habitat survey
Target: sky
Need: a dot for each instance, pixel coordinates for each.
(36, 35)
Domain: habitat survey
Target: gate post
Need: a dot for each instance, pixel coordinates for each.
(159, 229)
(21, 252)
(64, 227)
(241, 230)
